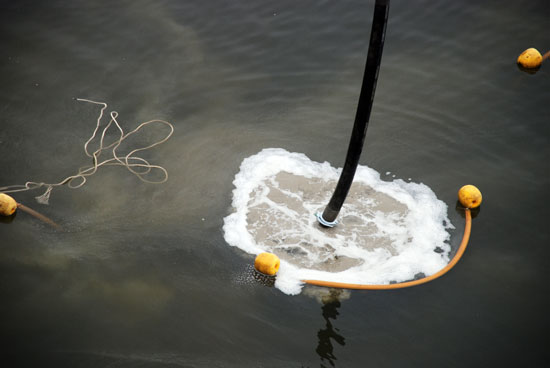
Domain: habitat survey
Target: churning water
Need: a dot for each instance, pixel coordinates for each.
(389, 231)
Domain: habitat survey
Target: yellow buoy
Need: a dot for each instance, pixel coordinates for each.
(530, 58)
(267, 263)
(469, 196)
(8, 205)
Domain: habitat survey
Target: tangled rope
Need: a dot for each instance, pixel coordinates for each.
(135, 164)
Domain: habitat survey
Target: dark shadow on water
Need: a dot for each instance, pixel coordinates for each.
(328, 334)
(8, 219)
(528, 70)
(460, 210)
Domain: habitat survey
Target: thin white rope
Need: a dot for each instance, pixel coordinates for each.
(129, 161)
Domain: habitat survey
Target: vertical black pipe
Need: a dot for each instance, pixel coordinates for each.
(378, 32)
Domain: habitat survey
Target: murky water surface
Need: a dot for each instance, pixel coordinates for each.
(142, 276)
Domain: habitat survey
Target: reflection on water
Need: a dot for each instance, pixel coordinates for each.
(528, 70)
(459, 208)
(329, 334)
(8, 219)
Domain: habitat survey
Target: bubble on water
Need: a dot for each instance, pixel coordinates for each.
(387, 232)
(249, 276)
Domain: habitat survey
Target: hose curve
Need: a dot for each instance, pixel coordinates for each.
(401, 285)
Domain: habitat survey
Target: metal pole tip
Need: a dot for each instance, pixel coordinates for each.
(324, 222)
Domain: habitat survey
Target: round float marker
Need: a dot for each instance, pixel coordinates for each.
(530, 58)
(469, 196)
(267, 263)
(8, 205)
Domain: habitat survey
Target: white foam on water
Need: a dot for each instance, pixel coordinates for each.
(389, 231)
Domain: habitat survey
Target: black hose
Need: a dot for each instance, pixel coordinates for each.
(364, 107)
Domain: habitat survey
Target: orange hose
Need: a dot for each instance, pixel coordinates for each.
(454, 261)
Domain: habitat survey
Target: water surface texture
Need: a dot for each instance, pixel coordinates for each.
(141, 276)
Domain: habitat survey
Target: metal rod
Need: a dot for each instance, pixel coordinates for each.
(364, 106)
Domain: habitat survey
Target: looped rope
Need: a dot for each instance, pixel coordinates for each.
(129, 161)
